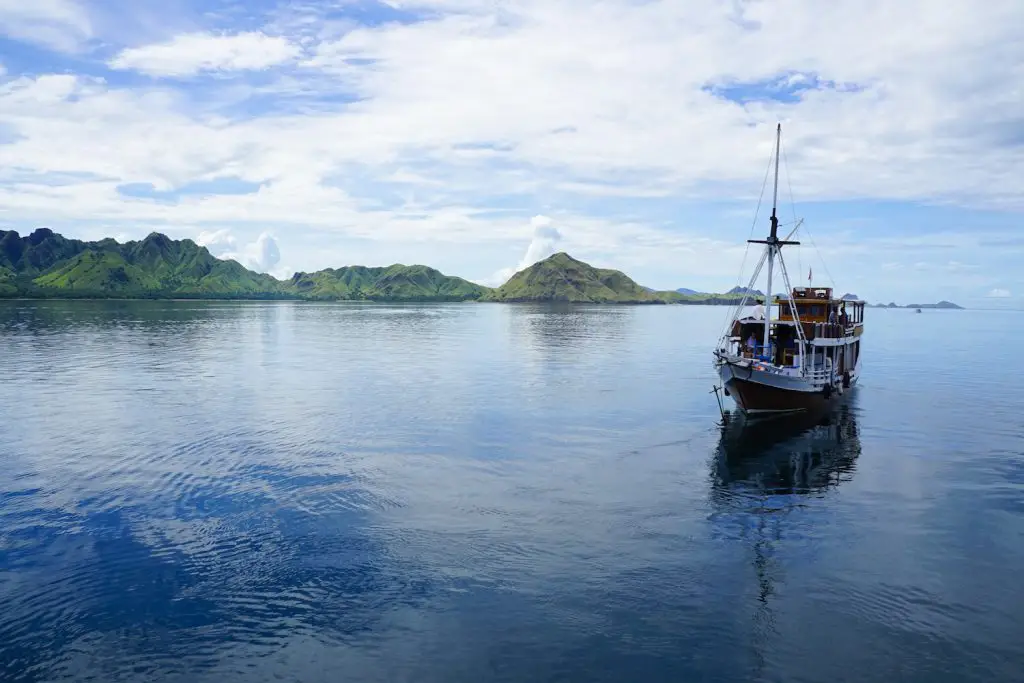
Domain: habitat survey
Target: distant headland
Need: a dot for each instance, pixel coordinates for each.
(47, 265)
(949, 305)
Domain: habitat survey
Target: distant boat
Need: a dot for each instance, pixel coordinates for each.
(802, 359)
(917, 310)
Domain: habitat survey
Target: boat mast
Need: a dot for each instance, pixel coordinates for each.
(772, 239)
(773, 243)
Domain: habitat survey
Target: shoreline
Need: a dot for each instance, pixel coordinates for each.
(264, 299)
(365, 301)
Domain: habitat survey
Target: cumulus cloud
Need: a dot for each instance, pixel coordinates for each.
(61, 25)
(437, 130)
(263, 255)
(217, 240)
(999, 293)
(544, 243)
(195, 52)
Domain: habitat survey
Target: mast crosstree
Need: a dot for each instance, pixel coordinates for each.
(774, 244)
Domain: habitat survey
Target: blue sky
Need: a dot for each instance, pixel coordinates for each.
(478, 136)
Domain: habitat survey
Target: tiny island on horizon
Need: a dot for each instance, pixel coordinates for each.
(47, 265)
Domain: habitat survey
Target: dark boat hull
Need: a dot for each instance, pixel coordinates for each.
(755, 397)
(755, 391)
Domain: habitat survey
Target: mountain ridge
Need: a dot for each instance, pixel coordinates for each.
(944, 305)
(383, 283)
(45, 264)
(561, 277)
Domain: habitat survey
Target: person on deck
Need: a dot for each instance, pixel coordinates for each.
(751, 343)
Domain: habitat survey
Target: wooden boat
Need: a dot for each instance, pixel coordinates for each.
(800, 352)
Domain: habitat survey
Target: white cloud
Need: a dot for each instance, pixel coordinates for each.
(262, 255)
(195, 52)
(999, 293)
(455, 129)
(635, 100)
(947, 267)
(217, 241)
(544, 243)
(58, 24)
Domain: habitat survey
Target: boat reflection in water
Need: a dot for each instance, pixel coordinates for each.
(801, 453)
(764, 475)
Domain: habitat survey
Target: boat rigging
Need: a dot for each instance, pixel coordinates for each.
(805, 355)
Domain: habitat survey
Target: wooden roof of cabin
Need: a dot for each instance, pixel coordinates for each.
(799, 300)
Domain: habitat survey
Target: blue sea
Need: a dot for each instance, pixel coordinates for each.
(283, 491)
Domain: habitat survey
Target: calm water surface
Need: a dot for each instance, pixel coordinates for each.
(301, 492)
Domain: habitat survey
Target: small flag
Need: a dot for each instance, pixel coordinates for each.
(809, 275)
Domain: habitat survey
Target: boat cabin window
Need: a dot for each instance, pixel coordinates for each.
(782, 345)
(833, 313)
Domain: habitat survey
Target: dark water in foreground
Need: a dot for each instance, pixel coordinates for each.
(299, 492)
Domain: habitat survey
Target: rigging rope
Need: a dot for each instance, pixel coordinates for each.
(753, 224)
(799, 252)
(792, 204)
(822, 258)
(757, 209)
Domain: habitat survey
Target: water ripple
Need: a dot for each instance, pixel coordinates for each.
(210, 491)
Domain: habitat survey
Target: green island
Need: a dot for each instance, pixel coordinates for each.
(562, 278)
(47, 265)
(945, 305)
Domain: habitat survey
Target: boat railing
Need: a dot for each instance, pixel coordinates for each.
(827, 330)
(819, 374)
(824, 373)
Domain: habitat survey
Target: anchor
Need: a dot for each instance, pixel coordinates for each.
(721, 408)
